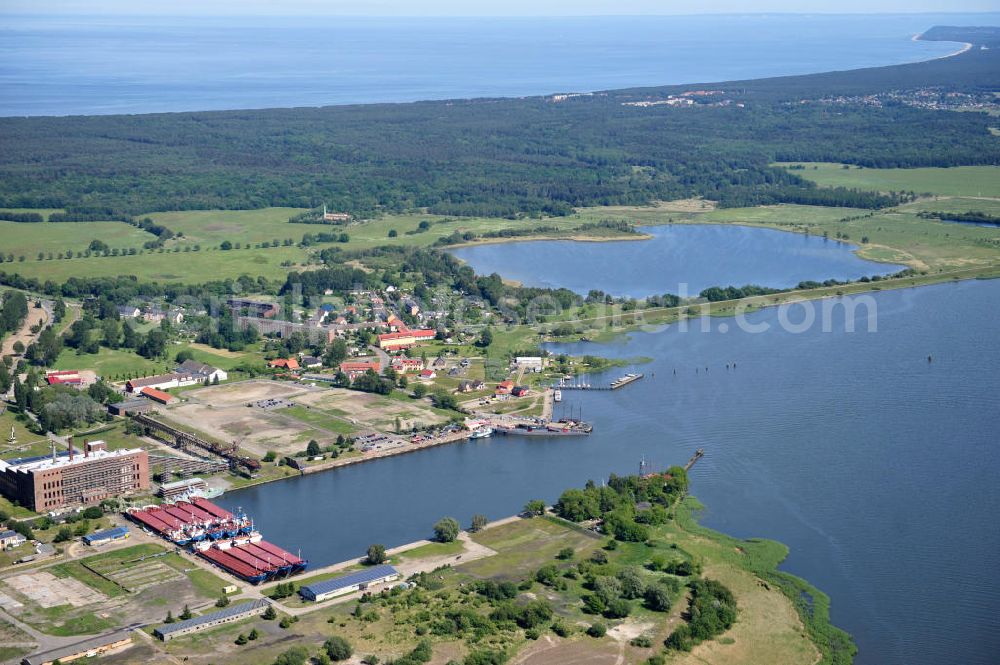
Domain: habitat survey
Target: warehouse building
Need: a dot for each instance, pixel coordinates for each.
(129, 407)
(229, 614)
(359, 581)
(52, 482)
(106, 536)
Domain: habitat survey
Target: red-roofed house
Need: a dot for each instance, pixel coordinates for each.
(157, 395)
(404, 339)
(428, 374)
(354, 369)
(407, 364)
(63, 377)
(504, 387)
(287, 363)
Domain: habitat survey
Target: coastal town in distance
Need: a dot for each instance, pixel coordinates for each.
(700, 372)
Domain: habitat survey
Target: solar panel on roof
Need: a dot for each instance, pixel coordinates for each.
(107, 533)
(231, 611)
(360, 577)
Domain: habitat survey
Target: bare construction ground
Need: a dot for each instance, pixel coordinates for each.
(47, 590)
(221, 412)
(365, 410)
(243, 392)
(302, 414)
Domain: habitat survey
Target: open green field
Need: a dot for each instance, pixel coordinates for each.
(956, 204)
(211, 227)
(28, 444)
(954, 181)
(112, 364)
(183, 267)
(321, 419)
(29, 239)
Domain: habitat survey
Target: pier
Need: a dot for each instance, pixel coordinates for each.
(614, 385)
(698, 454)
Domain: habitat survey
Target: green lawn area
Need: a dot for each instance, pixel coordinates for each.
(13, 654)
(185, 267)
(956, 204)
(209, 228)
(112, 364)
(431, 550)
(28, 443)
(954, 181)
(216, 357)
(78, 571)
(319, 418)
(30, 239)
(113, 435)
(524, 545)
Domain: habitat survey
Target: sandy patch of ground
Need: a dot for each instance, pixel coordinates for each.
(629, 630)
(369, 410)
(243, 392)
(550, 650)
(256, 430)
(24, 335)
(47, 590)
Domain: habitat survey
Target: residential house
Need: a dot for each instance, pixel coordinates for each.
(504, 387)
(404, 339)
(403, 365)
(10, 539)
(310, 362)
(156, 315)
(128, 311)
(520, 391)
(162, 382)
(428, 375)
(354, 369)
(470, 386)
(284, 363)
(202, 371)
(529, 363)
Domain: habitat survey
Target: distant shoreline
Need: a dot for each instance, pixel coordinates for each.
(965, 47)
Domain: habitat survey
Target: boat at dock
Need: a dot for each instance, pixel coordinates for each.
(557, 396)
(555, 428)
(227, 540)
(481, 433)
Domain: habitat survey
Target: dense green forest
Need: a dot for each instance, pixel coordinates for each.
(500, 156)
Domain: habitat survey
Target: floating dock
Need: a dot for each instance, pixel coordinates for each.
(614, 385)
(225, 539)
(555, 428)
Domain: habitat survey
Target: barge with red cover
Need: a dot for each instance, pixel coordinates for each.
(224, 539)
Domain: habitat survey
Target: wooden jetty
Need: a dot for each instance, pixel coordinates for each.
(614, 385)
(698, 454)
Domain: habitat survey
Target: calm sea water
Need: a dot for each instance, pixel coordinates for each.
(696, 255)
(99, 65)
(877, 468)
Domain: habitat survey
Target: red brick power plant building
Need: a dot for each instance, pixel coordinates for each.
(70, 479)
